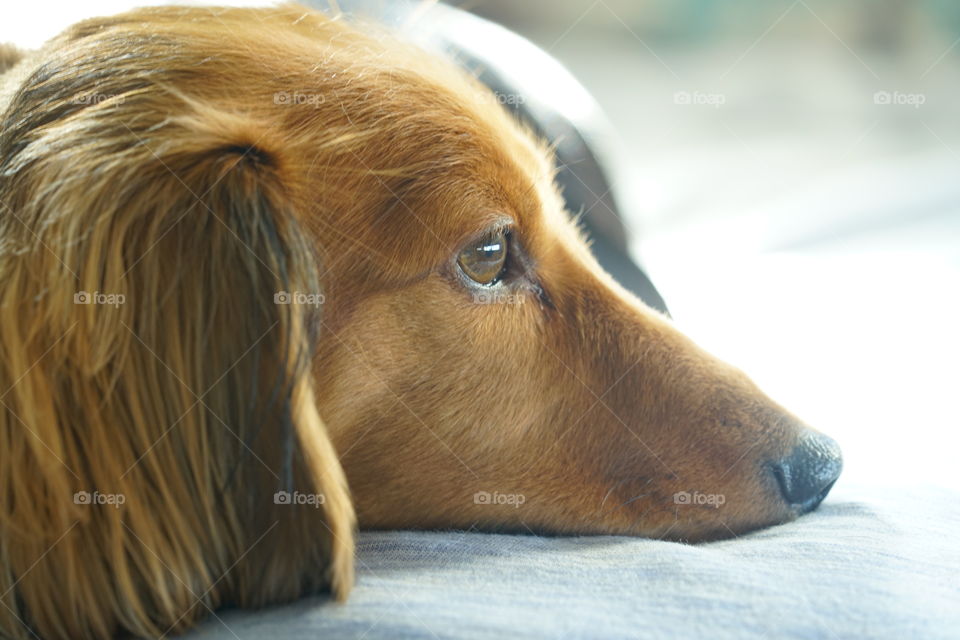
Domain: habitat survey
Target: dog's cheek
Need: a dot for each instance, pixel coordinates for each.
(429, 396)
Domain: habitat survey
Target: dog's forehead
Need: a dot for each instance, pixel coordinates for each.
(440, 159)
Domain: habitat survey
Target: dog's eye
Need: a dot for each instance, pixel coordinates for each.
(483, 261)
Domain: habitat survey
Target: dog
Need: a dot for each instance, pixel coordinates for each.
(251, 257)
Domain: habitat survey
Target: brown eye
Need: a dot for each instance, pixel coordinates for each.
(483, 261)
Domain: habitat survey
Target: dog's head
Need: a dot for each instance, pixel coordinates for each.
(220, 227)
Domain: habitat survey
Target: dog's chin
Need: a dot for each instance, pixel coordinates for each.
(667, 521)
(718, 531)
(689, 533)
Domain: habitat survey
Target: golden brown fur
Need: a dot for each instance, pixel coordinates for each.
(148, 155)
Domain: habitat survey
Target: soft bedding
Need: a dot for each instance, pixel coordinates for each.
(870, 563)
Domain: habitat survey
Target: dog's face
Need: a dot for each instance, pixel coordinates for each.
(421, 311)
(477, 368)
(483, 346)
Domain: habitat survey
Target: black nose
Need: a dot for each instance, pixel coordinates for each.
(808, 473)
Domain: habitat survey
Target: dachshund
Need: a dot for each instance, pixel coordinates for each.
(252, 257)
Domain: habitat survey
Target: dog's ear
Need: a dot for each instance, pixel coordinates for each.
(161, 452)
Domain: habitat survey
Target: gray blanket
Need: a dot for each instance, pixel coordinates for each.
(870, 563)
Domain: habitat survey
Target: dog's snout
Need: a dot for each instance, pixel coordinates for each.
(807, 474)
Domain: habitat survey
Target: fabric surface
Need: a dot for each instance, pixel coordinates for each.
(868, 564)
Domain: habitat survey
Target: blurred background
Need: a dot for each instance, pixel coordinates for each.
(792, 179)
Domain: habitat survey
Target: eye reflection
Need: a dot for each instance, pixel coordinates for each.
(483, 262)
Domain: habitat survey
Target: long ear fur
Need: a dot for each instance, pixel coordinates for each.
(154, 395)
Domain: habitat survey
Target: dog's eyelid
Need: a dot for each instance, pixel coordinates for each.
(498, 224)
